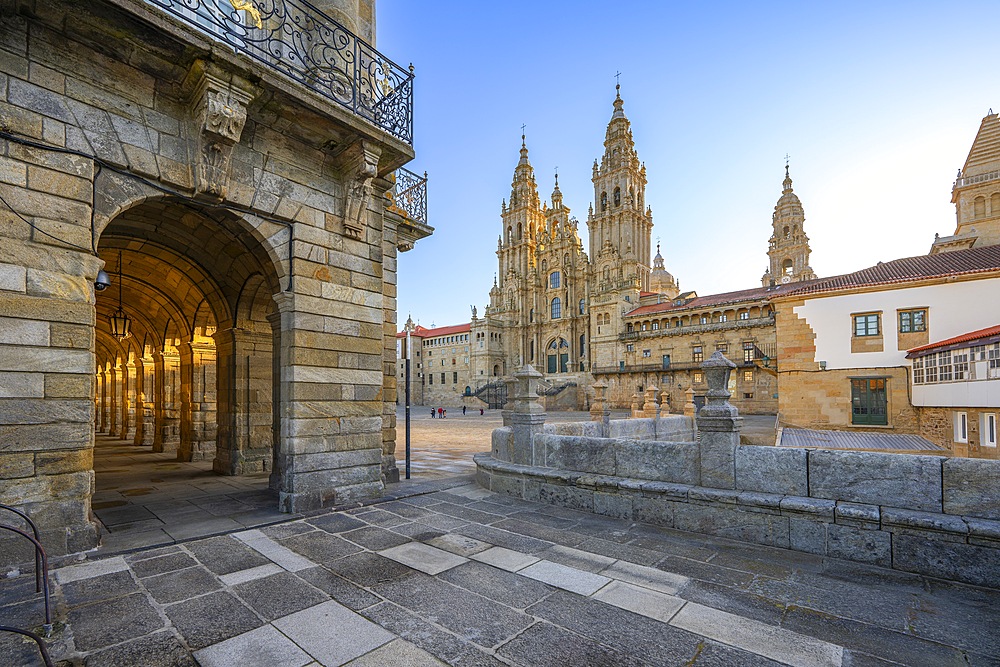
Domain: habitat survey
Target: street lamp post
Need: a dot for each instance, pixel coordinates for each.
(409, 350)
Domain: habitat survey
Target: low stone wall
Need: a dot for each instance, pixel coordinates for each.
(925, 514)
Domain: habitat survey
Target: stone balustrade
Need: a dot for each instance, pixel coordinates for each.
(930, 515)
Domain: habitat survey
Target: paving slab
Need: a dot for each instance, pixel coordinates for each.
(785, 646)
(275, 552)
(113, 621)
(161, 649)
(209, 619)
(259, 572)
(567, 578)
(647, 577)
(581, 560)
(649, 603)
(262, 646)
(424, 557)
(278, 595)
(90, 569)
(544, 645)
(332, 633)
(397, 653)
(459, 544)
(505, 559)
(182, 585)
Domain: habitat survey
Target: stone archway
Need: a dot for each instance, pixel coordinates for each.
(196, 375)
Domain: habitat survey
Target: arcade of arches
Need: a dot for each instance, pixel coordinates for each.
(256, 245)
(195, 373)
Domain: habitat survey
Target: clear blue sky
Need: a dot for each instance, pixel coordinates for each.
(876, 102)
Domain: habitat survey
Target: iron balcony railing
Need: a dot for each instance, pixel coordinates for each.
(408, 195)
(306, 45)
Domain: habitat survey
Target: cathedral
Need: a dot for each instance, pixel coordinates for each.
(614, 315)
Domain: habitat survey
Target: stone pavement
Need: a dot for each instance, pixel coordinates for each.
(462, 576)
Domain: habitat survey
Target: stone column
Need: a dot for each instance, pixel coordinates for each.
(159, 398)
(185, 448)
(528, 415)
(203, 401)
(719, 423)
(113, 404)
(649, 406)
(171, 403)
(508, 410)
(689, 407)
(130, 394)
(279, 460)
(243, 374)
(140, 389)
(103, 400)
(147, 402)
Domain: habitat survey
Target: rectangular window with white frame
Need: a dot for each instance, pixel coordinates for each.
(961, 424)
(988, 429)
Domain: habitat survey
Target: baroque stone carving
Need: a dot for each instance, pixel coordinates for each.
(219, 107)
(359, 167)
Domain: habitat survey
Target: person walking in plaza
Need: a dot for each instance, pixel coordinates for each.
(463, 410)
(432, 413)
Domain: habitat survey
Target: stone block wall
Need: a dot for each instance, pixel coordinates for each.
(930, 515)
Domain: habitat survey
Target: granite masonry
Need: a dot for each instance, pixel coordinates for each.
(930, 515)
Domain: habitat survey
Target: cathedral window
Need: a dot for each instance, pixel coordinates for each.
(556, 308)
(520, 230)
(554, 279)
(787, 267)
(583, 306)
(583, 343)
(979, 207)
(787, 233)
(531, 350)
(618, 196)
(604, 201)
(531, 315)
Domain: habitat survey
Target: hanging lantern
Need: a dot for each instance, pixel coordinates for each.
(121, 323)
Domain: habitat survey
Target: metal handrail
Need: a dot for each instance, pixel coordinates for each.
(297, 39)
(38, 640)
(45, 572)
(34, 530)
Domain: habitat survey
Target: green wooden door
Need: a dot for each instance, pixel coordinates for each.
(868, 401)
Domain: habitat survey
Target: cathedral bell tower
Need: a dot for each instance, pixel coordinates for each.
(620, 223)
(789, 246)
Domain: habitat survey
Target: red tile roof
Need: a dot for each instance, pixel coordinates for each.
(712, 300)
(421, 332)
(910, 269)
(959, 341)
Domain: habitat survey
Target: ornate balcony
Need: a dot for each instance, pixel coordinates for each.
(408, 199)
(309, 47)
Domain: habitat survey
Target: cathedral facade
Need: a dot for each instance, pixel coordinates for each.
(614, 315)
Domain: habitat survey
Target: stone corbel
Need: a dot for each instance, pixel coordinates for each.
(219, 108)
(358, 166)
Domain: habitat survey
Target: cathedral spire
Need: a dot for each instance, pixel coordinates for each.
(789, 246)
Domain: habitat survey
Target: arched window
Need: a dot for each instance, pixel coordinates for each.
(979, 207)
(520, 231)
(554, 279)
(583, 343)
(618, 196)
(787, 233)
(556, 308)
(604, 201)
(583, 306)
(531, 315)
(787, 267)
(510, 231)
(531, 351)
